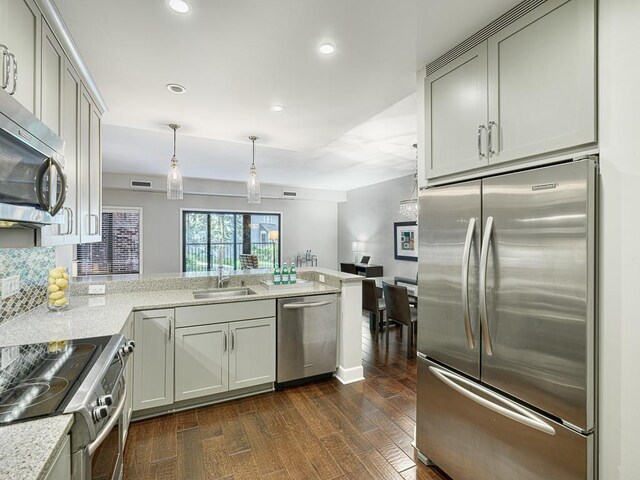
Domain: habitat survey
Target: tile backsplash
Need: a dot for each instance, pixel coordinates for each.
(32, 264)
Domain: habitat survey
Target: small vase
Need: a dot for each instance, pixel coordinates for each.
(58, 289)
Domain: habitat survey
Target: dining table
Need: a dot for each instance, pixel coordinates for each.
(412, 288)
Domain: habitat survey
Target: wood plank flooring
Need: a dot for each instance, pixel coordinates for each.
(323, 430)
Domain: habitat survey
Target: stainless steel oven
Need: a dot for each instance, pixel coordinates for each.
(97, 443)
(33, 184)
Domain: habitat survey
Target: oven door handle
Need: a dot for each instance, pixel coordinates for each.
(115, 418)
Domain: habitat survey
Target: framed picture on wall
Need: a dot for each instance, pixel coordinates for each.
(405, 241)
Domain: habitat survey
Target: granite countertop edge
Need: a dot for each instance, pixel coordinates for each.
(31, 458)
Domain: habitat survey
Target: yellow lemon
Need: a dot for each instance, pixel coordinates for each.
(53, 287)
(55, 273)
(60, 302)
(52, 280)
(56, 295)
(62, 283)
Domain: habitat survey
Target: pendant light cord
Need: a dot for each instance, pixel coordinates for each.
(174, 142)
(253, 162)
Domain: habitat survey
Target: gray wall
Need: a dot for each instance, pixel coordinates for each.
(368, 216)
(306, 224)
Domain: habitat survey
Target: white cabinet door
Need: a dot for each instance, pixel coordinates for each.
(252, 354)
(90, 171)
(153, 359)
(456, 108)
(202, 361)
(61, 467)
(71, 136)
(51, 80)
(542, 81)
(56, 110)
(20, 32)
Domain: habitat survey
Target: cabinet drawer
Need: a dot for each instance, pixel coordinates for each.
(224, 312)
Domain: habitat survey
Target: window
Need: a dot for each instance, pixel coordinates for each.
(210, 239)
(119, 252)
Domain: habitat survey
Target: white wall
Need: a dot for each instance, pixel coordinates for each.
(306, 224)
(368, 216)
(619, 120)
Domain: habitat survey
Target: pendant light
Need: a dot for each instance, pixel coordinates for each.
(409, 207)
(253, 183)
(174, 178)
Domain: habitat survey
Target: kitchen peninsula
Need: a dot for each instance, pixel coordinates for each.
(115, 311)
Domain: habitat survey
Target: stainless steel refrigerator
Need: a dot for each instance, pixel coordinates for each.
(507, 325)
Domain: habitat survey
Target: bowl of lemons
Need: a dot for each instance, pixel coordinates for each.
(58, 289)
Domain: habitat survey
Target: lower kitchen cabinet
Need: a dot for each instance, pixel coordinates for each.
(201, 351)
(252, 358)
(217, 358)
(153, 358)
(61, 467)
(202, 356)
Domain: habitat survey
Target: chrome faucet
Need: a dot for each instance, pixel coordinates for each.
(221, 280)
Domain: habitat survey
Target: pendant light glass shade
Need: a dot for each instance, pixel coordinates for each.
(253, 183)
(409, 207)
(174, 177)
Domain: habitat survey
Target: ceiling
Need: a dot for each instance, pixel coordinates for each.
(349, 119)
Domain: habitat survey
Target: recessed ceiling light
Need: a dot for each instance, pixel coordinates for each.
(276, 108)
(327, 49)
(176, 88)
(179, 6)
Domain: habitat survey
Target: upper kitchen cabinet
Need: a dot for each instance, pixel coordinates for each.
(542, 82)
(90, 170)
(52, 77)
(456, 116)
(525, 91)
(20, 22)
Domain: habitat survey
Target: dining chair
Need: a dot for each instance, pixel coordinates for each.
(373, 304)
(348, 268)
(399, 310)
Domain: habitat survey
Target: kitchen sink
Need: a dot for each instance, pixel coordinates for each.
(236, 292)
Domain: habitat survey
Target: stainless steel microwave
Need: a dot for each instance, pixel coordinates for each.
(33, 184)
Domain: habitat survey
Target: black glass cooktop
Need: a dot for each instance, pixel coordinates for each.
(39, 379)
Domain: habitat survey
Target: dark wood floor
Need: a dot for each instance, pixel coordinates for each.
(324, 430)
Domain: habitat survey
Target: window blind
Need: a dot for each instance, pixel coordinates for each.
(119, 250)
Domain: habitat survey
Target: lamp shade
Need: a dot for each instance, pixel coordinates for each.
(356, 247)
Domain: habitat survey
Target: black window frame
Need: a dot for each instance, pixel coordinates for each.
(210, 266)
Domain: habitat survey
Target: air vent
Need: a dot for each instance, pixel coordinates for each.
(140, 184)
(494, 27)
(289, 194)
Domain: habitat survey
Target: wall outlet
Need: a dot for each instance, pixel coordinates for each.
(10, 286)
(321, 278)
(97, 289)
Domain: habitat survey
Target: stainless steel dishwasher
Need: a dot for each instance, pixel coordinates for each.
(307, 337)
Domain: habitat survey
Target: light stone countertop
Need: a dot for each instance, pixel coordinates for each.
(98, 315)
(28, 448)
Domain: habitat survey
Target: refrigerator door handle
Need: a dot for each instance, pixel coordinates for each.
(514, 411)
(484, 257)
(465, 282)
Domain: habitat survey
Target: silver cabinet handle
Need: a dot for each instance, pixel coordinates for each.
(514, 411)
(170, 327)
(6, 66)
(233, 340)
(95, 224)
(306, 305)
(492, 151)
(465, 282)
(14, 62)
(225, 341)
(481, 154)
(484, 258)
(70, 221)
